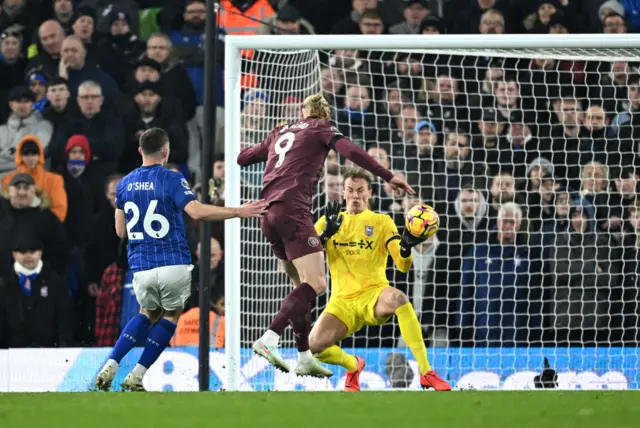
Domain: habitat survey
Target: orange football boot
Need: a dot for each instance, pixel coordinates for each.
(352, 381)
(431, 380)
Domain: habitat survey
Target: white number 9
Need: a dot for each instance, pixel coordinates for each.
(282, 146)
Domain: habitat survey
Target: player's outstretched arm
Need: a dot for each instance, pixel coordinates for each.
(199, 211)
(254, 154)
(361, 158)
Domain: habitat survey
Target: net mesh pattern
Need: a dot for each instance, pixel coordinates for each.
(529, 157)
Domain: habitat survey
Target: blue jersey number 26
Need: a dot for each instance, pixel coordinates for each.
(147, 222)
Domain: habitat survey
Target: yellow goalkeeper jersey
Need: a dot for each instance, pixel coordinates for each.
(357, 254)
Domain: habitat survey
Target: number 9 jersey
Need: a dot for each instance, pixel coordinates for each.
(295, 155)
(153, 200)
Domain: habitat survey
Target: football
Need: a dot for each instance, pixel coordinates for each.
(422, 221)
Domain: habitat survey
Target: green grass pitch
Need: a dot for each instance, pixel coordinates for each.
(468, 409)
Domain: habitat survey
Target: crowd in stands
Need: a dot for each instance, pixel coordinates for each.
(532, 163)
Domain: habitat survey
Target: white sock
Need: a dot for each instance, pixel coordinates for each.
(304, 356)
(139, 371)
(112, 364)
(270, 338)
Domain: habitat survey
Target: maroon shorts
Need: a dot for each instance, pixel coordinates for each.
(290, 231)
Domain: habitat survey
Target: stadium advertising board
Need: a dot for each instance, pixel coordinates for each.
(74, 370)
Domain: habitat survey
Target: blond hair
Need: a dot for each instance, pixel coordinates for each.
(317, 106)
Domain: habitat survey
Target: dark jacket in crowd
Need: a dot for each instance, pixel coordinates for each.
(133, 123)
(105, 133)
(44, 225)
(42, 319)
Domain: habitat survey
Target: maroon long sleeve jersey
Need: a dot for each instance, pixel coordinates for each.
(295, 154)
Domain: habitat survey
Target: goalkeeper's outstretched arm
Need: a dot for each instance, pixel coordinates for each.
(402, 261)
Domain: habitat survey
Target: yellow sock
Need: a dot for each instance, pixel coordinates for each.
(412, 334)
(336, 356)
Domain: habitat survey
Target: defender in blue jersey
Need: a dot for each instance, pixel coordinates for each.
(149, 206)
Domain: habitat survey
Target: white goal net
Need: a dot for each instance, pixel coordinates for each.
(530, 158)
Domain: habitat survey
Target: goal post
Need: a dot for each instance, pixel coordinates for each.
(292, 66)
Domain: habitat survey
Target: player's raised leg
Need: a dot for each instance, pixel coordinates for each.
(135, 332)
(307, 364)
(329, 330)
(295, 307)
(393, 301)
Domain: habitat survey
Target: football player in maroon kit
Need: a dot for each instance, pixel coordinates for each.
(295, 154)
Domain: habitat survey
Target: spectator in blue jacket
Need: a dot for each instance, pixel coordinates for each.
(495, 286)
(632, 10)
(189, 46)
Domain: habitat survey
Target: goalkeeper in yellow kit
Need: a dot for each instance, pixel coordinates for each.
(358, 243)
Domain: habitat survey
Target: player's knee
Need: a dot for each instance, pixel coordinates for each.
(154, 315)
(398, 299)
(173, 315)
(318, 283)
(316, 343)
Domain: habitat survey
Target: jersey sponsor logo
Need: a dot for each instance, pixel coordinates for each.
(313, 241)
(362, 244)
(368, 230)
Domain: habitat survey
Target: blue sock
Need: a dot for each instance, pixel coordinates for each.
(134, 333)
(159, 337)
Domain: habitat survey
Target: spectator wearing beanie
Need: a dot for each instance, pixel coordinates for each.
(80, 185)
(350, 24)
(553, 10)
(431, 25)
(84, 24)
(287, 21)
(121, 46)
(30, 160)
(84, 27)
(414, 12)
(38, 84)
(148, 110)
(18, 13)
(609, 7)
(149, 70)
(63, 12)
(12, 63)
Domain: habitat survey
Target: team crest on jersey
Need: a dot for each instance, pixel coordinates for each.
(313, 241)
(185, 183)
(368, 230)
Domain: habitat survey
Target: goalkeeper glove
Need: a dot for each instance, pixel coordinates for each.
(408, 242)
(334, 220)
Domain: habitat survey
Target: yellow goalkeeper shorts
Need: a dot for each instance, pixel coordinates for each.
(358, 311)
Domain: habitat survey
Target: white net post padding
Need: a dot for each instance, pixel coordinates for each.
(526, 147)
